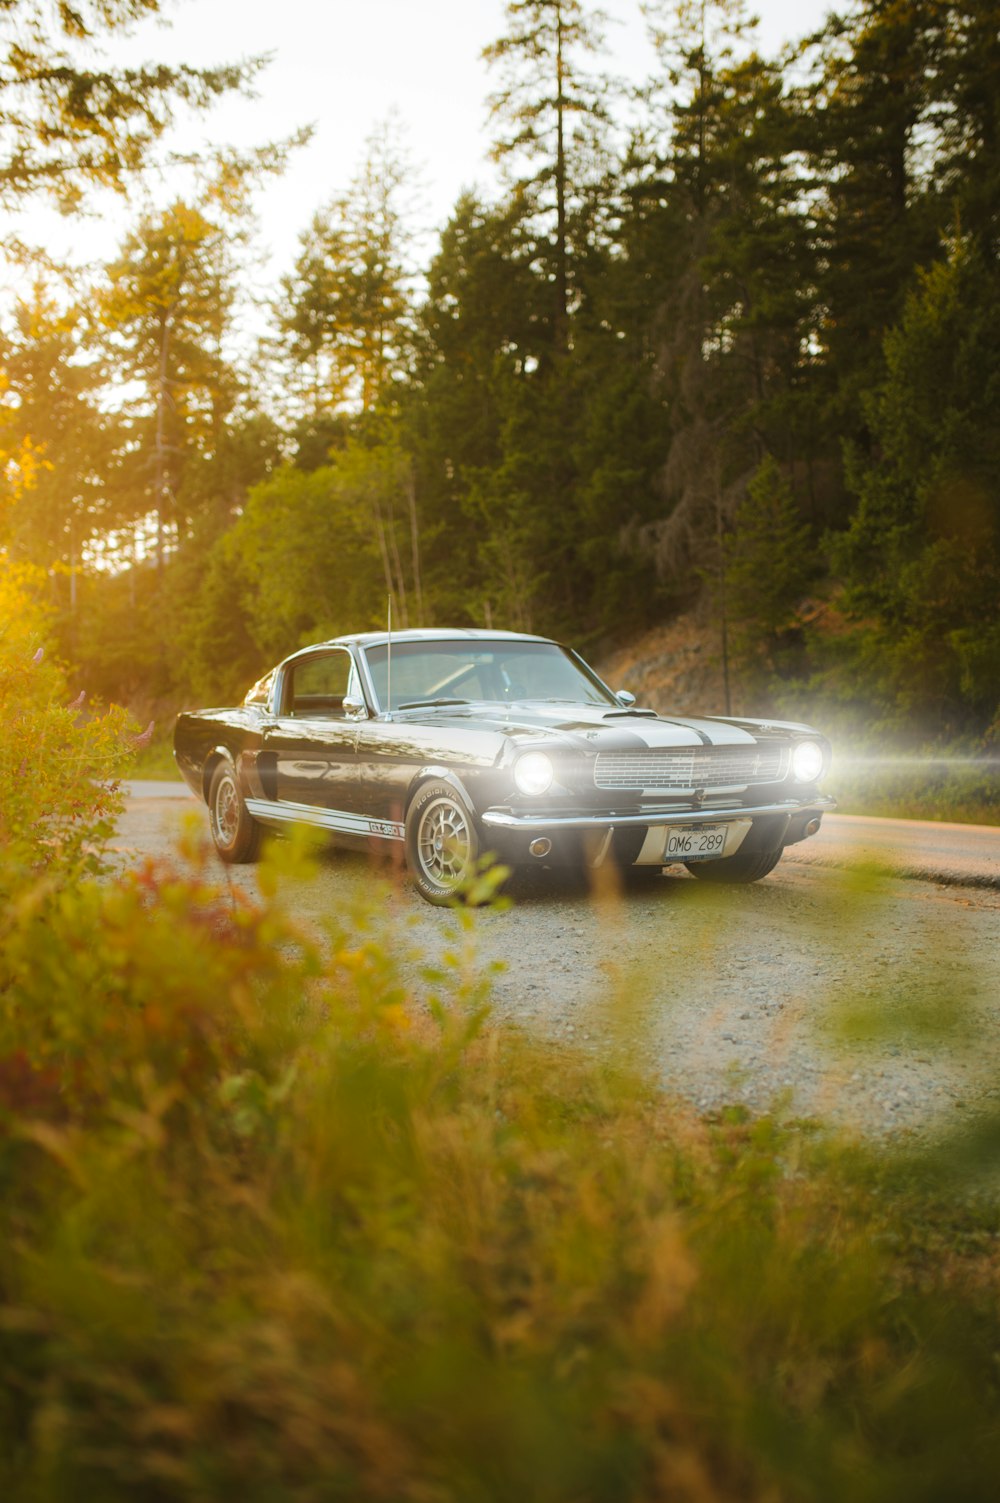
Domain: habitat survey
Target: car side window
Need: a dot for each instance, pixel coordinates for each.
(317, 686)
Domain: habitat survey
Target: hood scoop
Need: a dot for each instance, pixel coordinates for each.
(630, 714)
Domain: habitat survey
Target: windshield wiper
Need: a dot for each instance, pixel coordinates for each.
(424, 704)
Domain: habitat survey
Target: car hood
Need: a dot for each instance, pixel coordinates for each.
(601, 728)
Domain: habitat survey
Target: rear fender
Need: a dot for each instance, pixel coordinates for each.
(216, 755)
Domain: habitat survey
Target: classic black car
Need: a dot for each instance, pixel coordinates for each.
(456, 743)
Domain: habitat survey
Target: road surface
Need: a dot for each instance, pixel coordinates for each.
(804, 989)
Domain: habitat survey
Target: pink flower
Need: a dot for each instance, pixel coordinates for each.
(145, 738)
(79, 701)
(38, 657)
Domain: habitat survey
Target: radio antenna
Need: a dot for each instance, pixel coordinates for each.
(388, 655)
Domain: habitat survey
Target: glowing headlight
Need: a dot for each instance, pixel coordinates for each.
(533, 772)
(807, 761)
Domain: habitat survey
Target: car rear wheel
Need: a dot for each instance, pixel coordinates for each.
(441, 842)
(745, 866)
(235, 833)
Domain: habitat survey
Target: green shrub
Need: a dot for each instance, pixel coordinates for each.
(58, 766)
(277, 1227)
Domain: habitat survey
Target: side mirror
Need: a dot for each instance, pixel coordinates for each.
(624, 697)
(354, 709)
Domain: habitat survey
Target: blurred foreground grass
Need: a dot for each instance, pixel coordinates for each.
(276, 1226)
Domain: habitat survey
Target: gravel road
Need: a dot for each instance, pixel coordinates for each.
(801, 988)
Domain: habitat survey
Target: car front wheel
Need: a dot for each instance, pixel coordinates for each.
(235, 833)
(441, 842)
(745, 866)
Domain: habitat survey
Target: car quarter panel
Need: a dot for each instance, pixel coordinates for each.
(200, 738)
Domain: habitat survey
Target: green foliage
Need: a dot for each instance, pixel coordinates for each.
(922, 554)
(67, 124)
(558, 435)
(767, 568)
(960, 789)
(49, 390)
(553, 122)
(346, 316)
(58, 765)
(317, 554)
(278, 1224)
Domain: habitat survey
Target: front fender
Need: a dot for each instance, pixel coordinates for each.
(433, 773)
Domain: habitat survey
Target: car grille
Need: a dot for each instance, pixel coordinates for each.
(678, 769)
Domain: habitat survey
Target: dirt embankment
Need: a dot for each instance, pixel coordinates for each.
(675, 668)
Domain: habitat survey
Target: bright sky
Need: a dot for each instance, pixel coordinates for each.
(342, 66)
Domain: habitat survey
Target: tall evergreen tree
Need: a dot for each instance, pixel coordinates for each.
(70, 122)
(921, 557)
(346, 315)
(867, 122)
(483, 327)
(50, 413)
(165, 306)
(551, 115)
(720, 202)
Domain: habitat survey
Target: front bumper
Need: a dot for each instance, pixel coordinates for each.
(590, 834)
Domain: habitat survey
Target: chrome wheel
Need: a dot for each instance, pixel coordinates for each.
(225, 812)
(445, 843)
(235, 835)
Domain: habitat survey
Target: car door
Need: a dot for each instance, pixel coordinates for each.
(309, 757)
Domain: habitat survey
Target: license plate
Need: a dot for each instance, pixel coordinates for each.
(695, 842)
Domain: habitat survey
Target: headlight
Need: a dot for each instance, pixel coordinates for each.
(807, 761)
(533, 772)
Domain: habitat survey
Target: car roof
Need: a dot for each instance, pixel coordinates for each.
(428, 634)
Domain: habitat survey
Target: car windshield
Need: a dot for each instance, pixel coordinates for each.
(460, 671)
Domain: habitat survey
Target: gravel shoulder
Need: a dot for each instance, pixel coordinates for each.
(803, 988)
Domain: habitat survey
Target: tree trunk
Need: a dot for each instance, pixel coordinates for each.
(161, 439)
(562, 288)
(411, 501)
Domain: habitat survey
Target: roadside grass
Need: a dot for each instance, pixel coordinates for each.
(959, 790)
(281, 1224)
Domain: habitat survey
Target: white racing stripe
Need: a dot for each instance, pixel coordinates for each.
(671, 735)
(325, 819)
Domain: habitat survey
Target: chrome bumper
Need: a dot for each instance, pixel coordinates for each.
(505, 819)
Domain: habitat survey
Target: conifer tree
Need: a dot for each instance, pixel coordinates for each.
(720, 201)
(551, 115)
(346, 316)
(921, 556)
(165, 306)
(69, 121)
(50, 414)
(767, 565)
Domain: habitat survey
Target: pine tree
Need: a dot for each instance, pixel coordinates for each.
(552, 115)
(720, 201)
(69, 122)
(768, 563)
(165, 306)
(921, 556)
(50, 414)
(346, 316)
